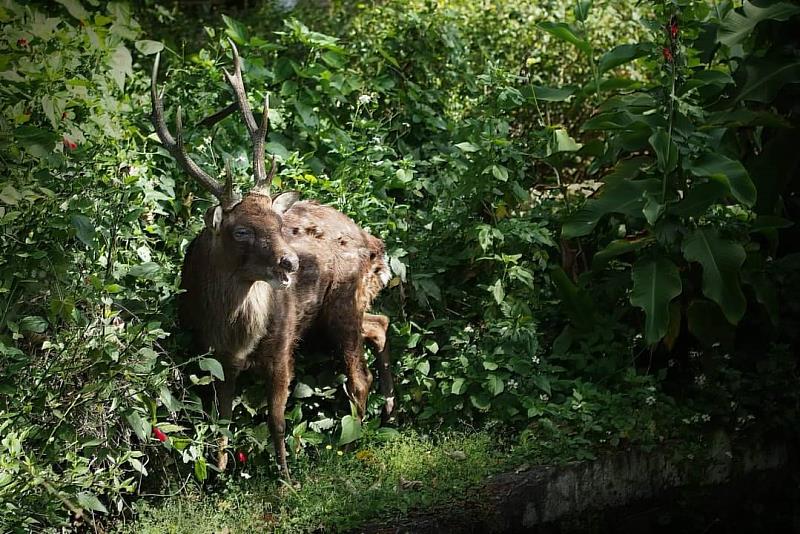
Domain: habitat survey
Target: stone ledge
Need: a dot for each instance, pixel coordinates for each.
(543, 495)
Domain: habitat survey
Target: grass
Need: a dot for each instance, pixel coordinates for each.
(336, 490)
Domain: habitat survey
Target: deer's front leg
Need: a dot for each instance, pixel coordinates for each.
(279, 376)
(223, 402)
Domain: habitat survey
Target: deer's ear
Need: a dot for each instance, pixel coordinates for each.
(213, 218)
(284, 201)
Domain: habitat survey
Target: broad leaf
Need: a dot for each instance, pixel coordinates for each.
(75, 9)
(84, 229)
(549, 94)
(721, 260)
(90, 501)
(699, 198)
(736, 26)
(562, 142)
(765, 77)
(565, 32)
(616, 248)
(148, 47)
(351, 430)
(140, 425)
(459, 386)
(235, 30)
(582, 8)
(121, 65)
(543, 383)
(495, 385)
(33, 323)
(624, 196)
(619, 55)
(728, 172)
(212, 366)
(200, 469)
(665, 149)
(655, 283)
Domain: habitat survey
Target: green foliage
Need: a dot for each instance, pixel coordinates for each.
(687, 199)
(463, 135)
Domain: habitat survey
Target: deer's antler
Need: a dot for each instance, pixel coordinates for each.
(175, 145)
(258, 133)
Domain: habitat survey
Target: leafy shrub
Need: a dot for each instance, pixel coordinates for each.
(436, 126)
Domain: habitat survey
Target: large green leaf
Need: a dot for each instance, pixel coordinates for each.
(351, 430)
(618, 247)
(624, 196)
(665, 148)
(235, 30)
(721, 260)
(121, 64)
(699, 198)
(728, 172)
(619, 55)
(565, 32)
(655, 283)
(581, 9)
(549, 94)
(736, 26)
(765, 77)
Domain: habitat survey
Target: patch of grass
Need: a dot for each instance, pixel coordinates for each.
(336, 491)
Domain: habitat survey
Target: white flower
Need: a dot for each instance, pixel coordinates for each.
(244, 475)
(651, 400)
(544, 397)
(694, 354)
(535, 360)
(512, 384)
(700, 380)
(706, 418)
(364, 99)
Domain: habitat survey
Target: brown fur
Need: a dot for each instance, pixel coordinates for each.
(235, 301)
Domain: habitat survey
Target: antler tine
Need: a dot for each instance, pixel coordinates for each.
(257, 133)
(175, 145)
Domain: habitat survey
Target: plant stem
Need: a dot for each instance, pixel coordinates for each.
(671, 119)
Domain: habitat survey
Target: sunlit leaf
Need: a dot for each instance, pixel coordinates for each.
(567, 33)
(213, 366)
(737, 25)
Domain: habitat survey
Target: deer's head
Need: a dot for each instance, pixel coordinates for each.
(246, 231)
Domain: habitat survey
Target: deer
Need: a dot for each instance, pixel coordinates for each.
(269, 270)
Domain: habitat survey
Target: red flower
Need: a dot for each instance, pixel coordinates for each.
(69, 143)
(667, 54)
(241, 457)
(673, 28)
(22, 42)
(159, 434)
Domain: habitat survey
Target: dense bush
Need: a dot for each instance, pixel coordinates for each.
(464, 137)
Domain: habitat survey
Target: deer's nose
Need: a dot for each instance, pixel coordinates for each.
(289, 263)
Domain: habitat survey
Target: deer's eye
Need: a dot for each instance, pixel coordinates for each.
(242, 234)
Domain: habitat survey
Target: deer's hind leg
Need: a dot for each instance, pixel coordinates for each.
(344, 325)
(374, 329)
